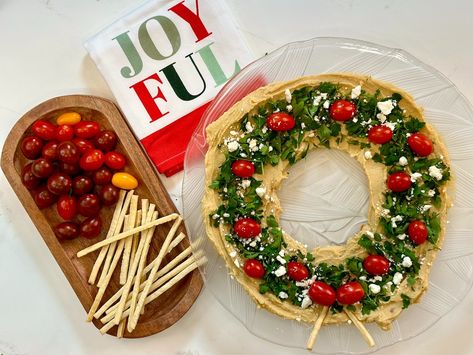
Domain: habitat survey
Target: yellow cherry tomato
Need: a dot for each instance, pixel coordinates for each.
(124, 181)
(70, 118)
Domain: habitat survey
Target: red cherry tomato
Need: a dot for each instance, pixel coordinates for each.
(322, 293)
(115, 160)
(50, 151)
(297, 271)
(59, 183)
(108, 194)
(67, 152)
(88, 205)
(92, 160)
(102, 176)
(243, 168)
(66, 230)
(42, 168)
(280, 121)
(380, 134)
(66, 207)
(399, 182)
(82, 185)
(421, 145)
(90, 228)
(31, 147)
(247, 228)
(44, 129)
(254, 268)
(417, 232)
(83, 145)
(69, 169)
(86, 129)
(43, 197)
(376, 264)
(64, 133)
(28, 178)
(106, 140)
(350, 293)
(342, 110)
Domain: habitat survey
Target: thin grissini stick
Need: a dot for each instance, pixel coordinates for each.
(141, 260)
(155, 294)
(113, 312)
(135, 240)
(361, 328)
(107, 305)
(104, 285)
(123, 235)
(164, 248)
(176, 241)
(118, 228)
(111, 231)
(121, 329)
(317, 325)
(128, 241)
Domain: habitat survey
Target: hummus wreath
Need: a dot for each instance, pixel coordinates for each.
(382, 269)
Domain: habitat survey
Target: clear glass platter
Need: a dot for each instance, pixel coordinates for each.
(325, 198)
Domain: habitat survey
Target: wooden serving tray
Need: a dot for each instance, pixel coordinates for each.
(173, 304)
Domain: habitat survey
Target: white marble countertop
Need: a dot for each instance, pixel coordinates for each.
(42, 56)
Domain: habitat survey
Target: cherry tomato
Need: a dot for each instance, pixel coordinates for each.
(380, 134)
(88, 205)
(44, 129)
(43, 197)
(322, 293)
(106, 140)
(70, 118)
(243, 168)
(297, 271)
(28, 178)
(42, 168)
(70, 169)
(64, 133)
(59, 183)
(417, 232)
(83, 145)
(342, 110)
(66, 207)
(399, 182)
(31, 147)
(280, 121)
(50, 151)
(91, 160)
(68, 152)
(108, 194)
(350, 293)
(376, 264)
(115, 160)
(86, 129)
(66, 230)
(90, 228)
(421, 145)
(124, 181)
(247, 228)
(102, 176)
(254, 268)
(82, 185)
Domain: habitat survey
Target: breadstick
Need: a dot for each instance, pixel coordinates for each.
(135, 240)
(361, 328)
(317, 325)
(121, 329)
(123, 235)
(176, 241)
(111, 231)
(128, 241)
(133, 320)
(155, 294)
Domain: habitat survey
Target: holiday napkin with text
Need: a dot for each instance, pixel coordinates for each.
(164, 63)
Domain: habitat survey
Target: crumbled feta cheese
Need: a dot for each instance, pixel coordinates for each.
(363, 278)
(232, 146)
(270, 148)
(415, 176)
(280, 271)
(355, 92)
(226, 215)
(283, 295)
(245, 183)
(243, 155)
(317, 100)
(395, 219)
(402, 236)
(385, 212)
(282, 252)
(326, 104)
(280, 259)
(388, 284)
(368, 155)
(385, 107)
(390, 125)
(216, 216)
(302, 125)
(402, 161)
(425, 208)
(355, 120)
(306, 302)
(397, 278)
(233, 254)
(406, 262)
(435, 172)
(264, 129)
(288, 95)
(260, 191)
(253, 145)
(234, 133)
(374, 288)
(431, 193)
(253, 243)
(378, 278)
(381, 117)
(289, 108)
(249, 127)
